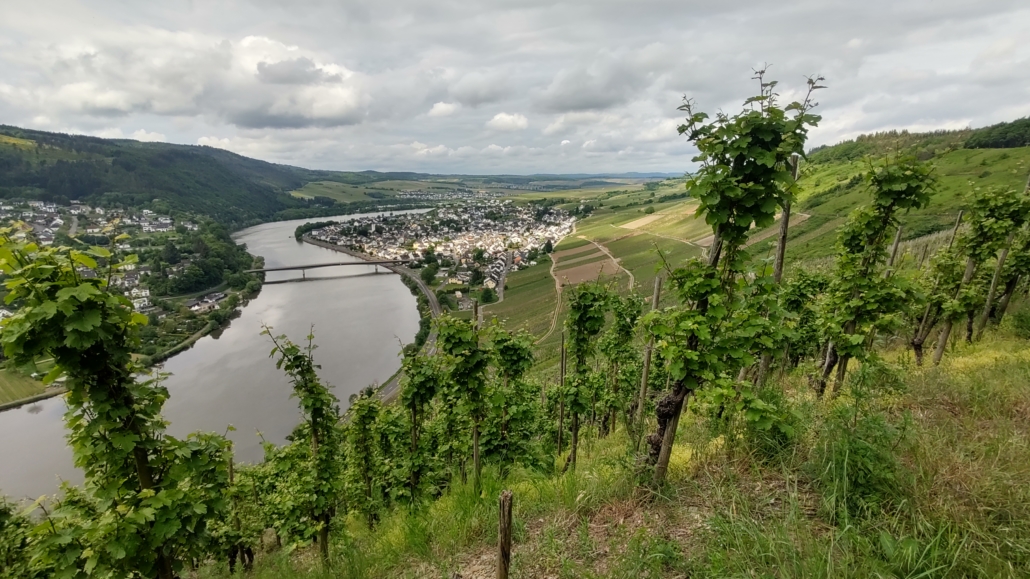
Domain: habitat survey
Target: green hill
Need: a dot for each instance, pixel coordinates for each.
(831, 183)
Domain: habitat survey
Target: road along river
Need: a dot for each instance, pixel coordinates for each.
(361, 318)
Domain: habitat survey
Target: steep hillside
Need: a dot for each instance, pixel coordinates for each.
(832, 186)
(232, 188)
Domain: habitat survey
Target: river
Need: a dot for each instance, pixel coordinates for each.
(360, 320)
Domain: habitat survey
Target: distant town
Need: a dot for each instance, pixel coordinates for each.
(472, 245)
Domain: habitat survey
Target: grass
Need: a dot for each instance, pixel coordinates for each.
(962, 510)
(829, 191)
(14, 386)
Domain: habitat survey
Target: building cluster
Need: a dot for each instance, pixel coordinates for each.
(455, 232)
(206, 303)
(47, 218)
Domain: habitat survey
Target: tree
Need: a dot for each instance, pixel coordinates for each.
(320, 431)
(428, 273)
(548, 246)
(148, 498)
(860, 296)
(469, 361)
(488, 296)
(744, 177)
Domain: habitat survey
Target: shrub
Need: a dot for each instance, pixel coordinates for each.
(771, 440)
(1021, 322)
(858, 470)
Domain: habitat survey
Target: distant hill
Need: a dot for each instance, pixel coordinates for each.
(231, 188)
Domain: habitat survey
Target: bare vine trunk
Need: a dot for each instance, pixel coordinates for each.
(672, 405)
(942, 340)
(1003, 303)
(982, 323)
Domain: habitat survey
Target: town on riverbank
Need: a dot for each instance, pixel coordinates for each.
(464, 251)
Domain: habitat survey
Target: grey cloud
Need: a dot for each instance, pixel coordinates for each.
(321, 84)
(296, 71)
(479, 88)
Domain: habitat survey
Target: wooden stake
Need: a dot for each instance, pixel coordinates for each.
(894, 254)
(642, 396)
(504, 536)
(561, 395)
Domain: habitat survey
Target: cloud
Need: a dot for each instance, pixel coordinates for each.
(442, 109)
(506, 122)
(479, 88)
(215, 142)
(355, 85)
(139, 135)
(296, 71)
(143, 135)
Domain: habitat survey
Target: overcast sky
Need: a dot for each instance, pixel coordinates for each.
(513, 86)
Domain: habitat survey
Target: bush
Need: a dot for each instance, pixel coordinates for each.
(1021, 322)
(773, 439)
(857, 469)
(649, 210)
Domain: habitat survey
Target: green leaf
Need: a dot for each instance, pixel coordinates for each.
(84, 320)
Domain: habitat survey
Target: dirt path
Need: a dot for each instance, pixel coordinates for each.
(632, 280)
(557, 293)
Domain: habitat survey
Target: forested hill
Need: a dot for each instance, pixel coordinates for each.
(832, 186)
(230, 188)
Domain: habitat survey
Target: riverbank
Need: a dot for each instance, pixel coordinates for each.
(389, 390)
(48, 393)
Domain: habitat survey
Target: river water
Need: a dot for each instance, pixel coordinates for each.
(360, 320)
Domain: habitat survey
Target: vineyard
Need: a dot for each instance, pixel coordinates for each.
(869, 416)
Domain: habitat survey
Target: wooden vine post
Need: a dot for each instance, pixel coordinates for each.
(642, 396)
(781, 254)
(504, 535)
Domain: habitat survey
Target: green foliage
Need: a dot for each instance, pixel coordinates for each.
(856, 464)
(1021, 322)
(469, 360)
(363, 460)
(15, 544)
(305, 228)
(488, 296)
(428, 273)
(994, 214)
(860, 298)
(148, 497)
(214, 258)
(1001, 136)
(312, 460)
(744, 176)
